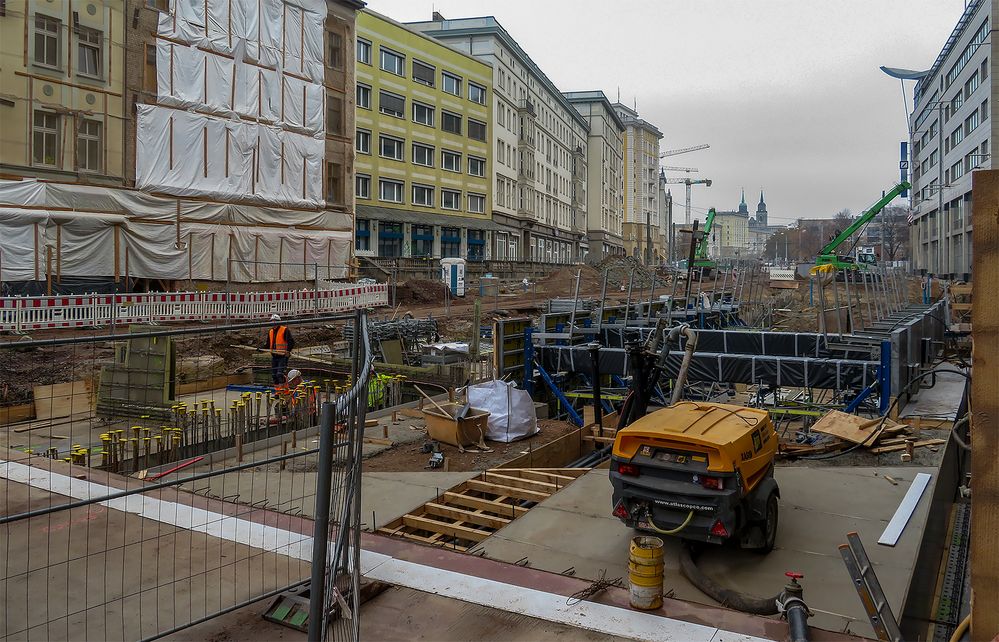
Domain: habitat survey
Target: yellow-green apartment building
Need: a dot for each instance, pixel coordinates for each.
(424, 162)
(61, 91)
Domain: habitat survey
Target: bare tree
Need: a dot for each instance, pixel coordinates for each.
(895, 235)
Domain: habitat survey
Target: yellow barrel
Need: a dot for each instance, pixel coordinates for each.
(645, 573)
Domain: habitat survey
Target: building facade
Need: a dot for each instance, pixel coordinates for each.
(729, 235)
(605, 172)
(760, 229)
(641, 225)
(539, 167)
(424, 153)
(952, 135)
(178, 146)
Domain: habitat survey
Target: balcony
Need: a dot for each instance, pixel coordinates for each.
(525, 105)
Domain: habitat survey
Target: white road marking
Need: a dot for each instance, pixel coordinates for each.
(600, 618)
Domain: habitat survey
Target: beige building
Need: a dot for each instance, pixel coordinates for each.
(641, 225)
(539, 161)
(729, 236)
(605, 172)
(168, 158)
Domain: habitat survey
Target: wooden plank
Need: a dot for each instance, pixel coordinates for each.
(601, 440)
(63, 399)
(434, 526)
(555, 453)
(539, 475)
(13, 414)
(985, 400)
(850, 428)
(493, 506)
(898, 447)
(511, 491)
(519, 482)
(463, 515)
(212, 383)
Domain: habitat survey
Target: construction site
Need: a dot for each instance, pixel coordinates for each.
(793, 453)
(247, 392)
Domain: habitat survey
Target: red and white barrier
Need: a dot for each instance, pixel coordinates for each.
(25, 313)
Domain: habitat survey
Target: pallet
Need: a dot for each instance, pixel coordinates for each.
(463, 516)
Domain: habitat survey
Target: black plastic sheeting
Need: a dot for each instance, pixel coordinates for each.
(774, 344)
(801, 372)
(65, 286)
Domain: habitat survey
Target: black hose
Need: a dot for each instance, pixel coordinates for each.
(724, 596)
(797, 621)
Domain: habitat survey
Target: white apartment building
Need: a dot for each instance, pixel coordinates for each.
(641, 186)
(605, 172)
(952, 135)
(539, 164)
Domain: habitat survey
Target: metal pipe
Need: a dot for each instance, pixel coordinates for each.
(320, 537)
(681, 376)
(598, 414)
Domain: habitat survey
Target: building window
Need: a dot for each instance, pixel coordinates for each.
(390, 191)
(362, 235)
(89, 47)
(423, 239)
(476, 244)
(89, 146)
(48, 40)
(149, 72)
(476, 203)
(423, 195)
(985, 109)
(392, 62)
(391, 104)
(450, 242)
(476, 130)
(451, 161)
(423, 155)
(476, 166)
(476, 93)
(363, 96)
(334, 115)
(450, 122)
(450, 199)
(362, 140)
(389, 147)
(423, 114)
(362, 186)
(389, 239)
(45, 139)
(335, 41)
(451, 83)
(363, 51)
(334, 183)
(424, 73)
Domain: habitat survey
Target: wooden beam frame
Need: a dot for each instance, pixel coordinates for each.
(984, 562)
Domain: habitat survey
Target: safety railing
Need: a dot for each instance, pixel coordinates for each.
(23, 314)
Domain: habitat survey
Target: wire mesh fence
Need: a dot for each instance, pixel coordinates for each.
(157, 477)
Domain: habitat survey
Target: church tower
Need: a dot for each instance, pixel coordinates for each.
(761, 211)
(743, 208)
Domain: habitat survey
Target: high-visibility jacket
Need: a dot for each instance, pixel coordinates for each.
(277, 339)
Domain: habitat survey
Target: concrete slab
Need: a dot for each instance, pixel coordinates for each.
(387, 496)
(819, 506)
(941, 401)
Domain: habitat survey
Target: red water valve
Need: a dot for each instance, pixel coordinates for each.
(793, 575)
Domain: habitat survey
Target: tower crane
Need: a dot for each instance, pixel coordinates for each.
(688, 182)
(682, 150)
(670, 168)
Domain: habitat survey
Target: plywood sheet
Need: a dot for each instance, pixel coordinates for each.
(63, 399)
(851, 428)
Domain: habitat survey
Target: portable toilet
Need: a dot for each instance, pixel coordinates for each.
(453, 275)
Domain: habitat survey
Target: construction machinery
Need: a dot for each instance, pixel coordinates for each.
(698, 470)
(829, 254)
(701, 259)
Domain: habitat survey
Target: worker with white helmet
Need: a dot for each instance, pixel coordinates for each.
(279, 343)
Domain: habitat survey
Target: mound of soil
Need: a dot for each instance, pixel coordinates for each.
(421, 291)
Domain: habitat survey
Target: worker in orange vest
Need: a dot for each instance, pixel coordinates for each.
(280, 344)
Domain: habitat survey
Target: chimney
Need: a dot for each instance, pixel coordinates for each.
(438, 17)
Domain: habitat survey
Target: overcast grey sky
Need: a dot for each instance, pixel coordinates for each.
(787, 92)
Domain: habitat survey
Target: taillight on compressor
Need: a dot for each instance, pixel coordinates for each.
(621, 511)
(711, 483)
(630, 470)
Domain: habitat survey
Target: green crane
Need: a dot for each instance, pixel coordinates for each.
(701, 256)
(828, 256)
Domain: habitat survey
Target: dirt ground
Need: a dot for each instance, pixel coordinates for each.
(407, 457)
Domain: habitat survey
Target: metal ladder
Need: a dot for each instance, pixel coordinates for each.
(865, 580)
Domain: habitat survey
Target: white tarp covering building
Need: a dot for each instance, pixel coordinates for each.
(229, 163)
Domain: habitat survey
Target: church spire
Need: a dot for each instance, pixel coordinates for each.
(762, 202)
(743, 201)
(743, 208)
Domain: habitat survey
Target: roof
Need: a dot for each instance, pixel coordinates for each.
(595, 96)
(421, 34)
(631, 118)
(353, 4)
(714, 423)
(489, 25)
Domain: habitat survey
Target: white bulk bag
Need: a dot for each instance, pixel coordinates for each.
(511, 411)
